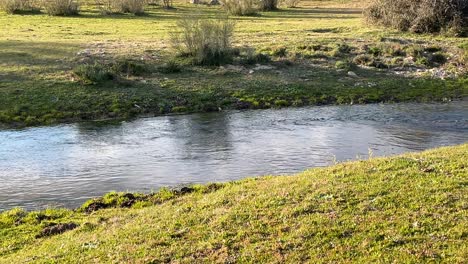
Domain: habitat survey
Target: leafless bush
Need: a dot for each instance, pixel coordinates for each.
(136, 7)
(167, 4)
(240, 7)
(291, 3)
(107, 7)
(268, 5)
(18, 6)
(61, 7)
(208, 41)
(153, 2)
(420, 16)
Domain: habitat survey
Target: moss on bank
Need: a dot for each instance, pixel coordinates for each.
(68, 102)
(409, 208)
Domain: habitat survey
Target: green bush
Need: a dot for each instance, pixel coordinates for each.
(281, 103)
(171, 66)
(393, 50)
(420, 16)
(344, 65)
(279, 51)
(341, 49)
(423, 61)
(61, 7)
(94, 73)
(415, 51)
(207, 41)
(129, 67)
(12, 217)
(240, 7)
(375, 51)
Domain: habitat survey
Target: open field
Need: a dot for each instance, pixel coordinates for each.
(38, 55)
(409, 208)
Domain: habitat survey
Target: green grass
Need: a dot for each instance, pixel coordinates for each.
(38, 55)
(405, 209)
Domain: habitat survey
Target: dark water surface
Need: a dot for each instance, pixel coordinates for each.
(65, 165)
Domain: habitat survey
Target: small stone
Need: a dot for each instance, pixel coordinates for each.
(234, 68)
(263, 67)
(85, 52)
(352, 74)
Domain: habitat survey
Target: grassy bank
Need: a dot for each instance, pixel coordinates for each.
(409, 208)
(311, 50)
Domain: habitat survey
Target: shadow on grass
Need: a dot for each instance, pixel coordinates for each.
(26, 53)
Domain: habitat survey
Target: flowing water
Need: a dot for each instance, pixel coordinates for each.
(67, 164)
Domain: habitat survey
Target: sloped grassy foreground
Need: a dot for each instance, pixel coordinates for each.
(409, 208)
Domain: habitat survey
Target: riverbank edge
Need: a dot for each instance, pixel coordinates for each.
(405, 183)
(125, 107)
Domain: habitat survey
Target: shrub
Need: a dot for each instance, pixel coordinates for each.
(279, 51)
(341, 49)
(375, 51)
(61, 7)
(291, 3)
(18, 6)
(365, 60)
(167, 4)
(128, 67)
(415, 51)
(107, 7)
(397, 61)
(419, 16)
(171, 66)
(281, 103)
(93, 73)
(423, 61)
(268, 5)
(135, 7)
(253, 57)
(240, 7)
(344, 65)
(208, 41)
(392, 50)
(12, 217)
